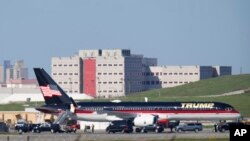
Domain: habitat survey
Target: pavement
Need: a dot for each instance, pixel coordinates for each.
(103, 136)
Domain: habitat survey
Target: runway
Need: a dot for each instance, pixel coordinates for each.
(102, 135)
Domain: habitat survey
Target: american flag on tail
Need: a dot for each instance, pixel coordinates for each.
(49, 91)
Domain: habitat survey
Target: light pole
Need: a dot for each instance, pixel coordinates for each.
(11, 88)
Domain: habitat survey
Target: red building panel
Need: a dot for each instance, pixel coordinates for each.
(89, 76)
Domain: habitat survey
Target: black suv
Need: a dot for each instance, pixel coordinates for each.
(222, 127)
(158, 128)
(46, 127)
(124, 126)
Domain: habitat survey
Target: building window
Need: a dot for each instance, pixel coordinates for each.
(59, 82)
(115, 73)
(196, 73)
(110, 64)
(170, 73)
(70, 73)
(65, 83)
(120, 64)
(104, 73)
(185, 73)
(76, 82)
(65, 74)
(104, 64)
(120, 73)
(104, 82)
(75, 65)
(99, 73)
(175, 73)
(54, 73)
(115, 64)
(165, 82)
(70, 65)
(59, 73)
(60, 65)
(190, 73)
(180, 73)
(99, 64)
(157, 73)
(115, 82)
(65, 65)
(54, 65)
(152, 82)
(110, 82)
(110, 73)
(75, 73)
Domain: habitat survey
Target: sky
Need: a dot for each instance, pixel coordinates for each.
(177, 32)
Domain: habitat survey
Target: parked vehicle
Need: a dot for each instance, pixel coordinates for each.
(189, 127)
(22, 126)
(158, 128)
(222, 127)
(124, 126)
(71, 126)
(46, 127)
(3, 127)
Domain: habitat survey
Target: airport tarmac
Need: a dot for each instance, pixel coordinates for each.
(102, 135)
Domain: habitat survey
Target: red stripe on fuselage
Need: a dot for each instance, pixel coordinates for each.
(177, 111)
(82, 111)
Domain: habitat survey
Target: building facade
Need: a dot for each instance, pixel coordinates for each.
(16, 72)
(67, 72)
(1, 74)
(171, 76)
(116, 72)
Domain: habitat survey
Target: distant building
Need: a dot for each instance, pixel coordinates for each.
(171, 76)
(67, 72)
(16, 72)
(6, 65)
(1, 74)
(102, 73)
(117, 72)
(19, 83)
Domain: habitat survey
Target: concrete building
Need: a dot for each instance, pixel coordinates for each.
(171, 76)
(111, 72)
(117, 72)
(17, 72)
(6, 65)
(1, 74)
(67, 72)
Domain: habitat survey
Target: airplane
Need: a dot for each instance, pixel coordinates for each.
(142, 113)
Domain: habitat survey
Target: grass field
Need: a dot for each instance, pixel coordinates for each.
(211, 86)
(187, 92)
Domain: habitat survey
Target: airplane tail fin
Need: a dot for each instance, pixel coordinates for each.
(52, 92)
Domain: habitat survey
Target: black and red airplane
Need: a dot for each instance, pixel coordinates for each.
(142, 113)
